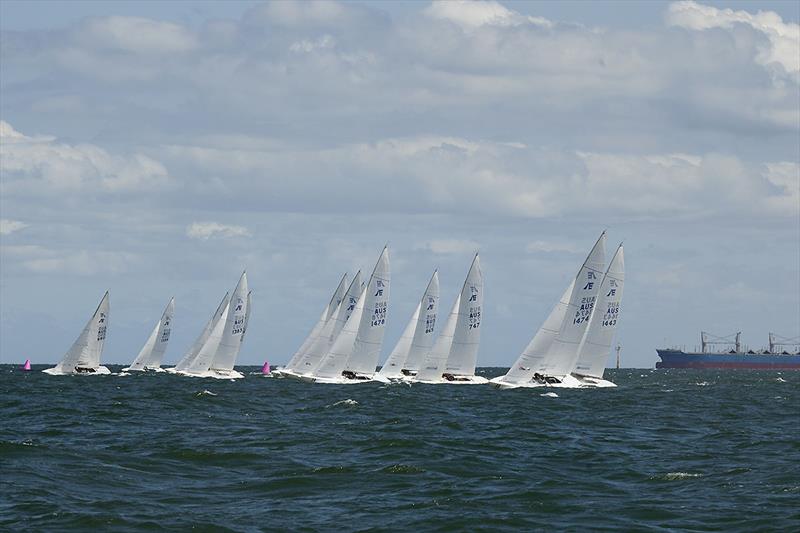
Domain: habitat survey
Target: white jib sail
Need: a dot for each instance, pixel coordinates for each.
(358, 346)
(317, 350)
(530, 360)
(152, 353)
(336, 299)
(467, 337)
(417, 338)
(202, 362)
(561, 356)
(235, 323)
(85, 352)
(596, 345)
(190, 356)
(434, 361)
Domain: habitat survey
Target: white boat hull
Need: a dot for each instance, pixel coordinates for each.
(460, 380)
(215, 374)
(341, 380)
(56, 371)
(567, 382)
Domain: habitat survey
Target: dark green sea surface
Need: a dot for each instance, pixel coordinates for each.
(667, 450)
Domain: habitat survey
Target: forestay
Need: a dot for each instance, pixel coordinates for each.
(561, 356)
(187, 360)
(358, 346)
(466, 339)
(531, 358)
(333, 304)
(417, 338)
(596, 344)
(316, 351)
(235, 322)
(152, 353)
(85, 352)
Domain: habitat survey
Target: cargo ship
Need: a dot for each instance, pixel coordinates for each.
(783, 354)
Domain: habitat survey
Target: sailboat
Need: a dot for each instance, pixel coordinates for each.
(218, 353)
(417, 338)
(314, 353)
(330, 309)
(353, 356)
(549, 358)
(152, 353)
(454, 355)
(189, 357)
(84, 355)
(596, 345)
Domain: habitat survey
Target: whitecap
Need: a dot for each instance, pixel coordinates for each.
(702, 383)
(206, 392)
(780, 380)
(549, 395)
(675, 476)
(343, 402)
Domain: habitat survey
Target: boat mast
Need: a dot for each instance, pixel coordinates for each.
(618, 349)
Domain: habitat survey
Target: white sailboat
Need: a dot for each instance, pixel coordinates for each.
(217, 356)
(550, 356)
(84, 355)
(417, 338)
(353, 357)
(455, 353)
(152, 353)
(316, 350)
(189, 357)
(329, 310)
(597, 341)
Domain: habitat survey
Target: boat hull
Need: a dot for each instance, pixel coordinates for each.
(681, 359)
(56, 371)
(461, 380)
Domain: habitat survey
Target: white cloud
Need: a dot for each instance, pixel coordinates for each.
(208, 230)
(783, 45)
(135, 34)
(450, 246)
(44, 260)
(7, 226)
(470, 14)
(42, 166)
(552, 246)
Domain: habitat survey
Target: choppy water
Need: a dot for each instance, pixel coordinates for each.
(699, 450)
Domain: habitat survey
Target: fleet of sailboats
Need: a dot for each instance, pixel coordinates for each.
(569, 350)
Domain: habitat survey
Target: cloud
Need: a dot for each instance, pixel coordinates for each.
(42, 166)
(470, 14)
(134, 34)
(552, 246)
(45, 260)
(450, 246)
(7, 226)
(783, 39)
(208, 230)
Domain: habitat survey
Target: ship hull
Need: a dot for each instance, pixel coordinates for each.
(681, 359)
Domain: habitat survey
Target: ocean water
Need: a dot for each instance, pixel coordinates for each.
(667, 450)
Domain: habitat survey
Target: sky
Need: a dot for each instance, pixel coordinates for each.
(158, 149)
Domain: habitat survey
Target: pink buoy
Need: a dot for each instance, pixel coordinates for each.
(265, 369)
(27, 366)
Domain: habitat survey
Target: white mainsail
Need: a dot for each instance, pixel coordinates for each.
(316, 351)
(560, 358)
(417, 338)
(358, 346)
(235, 322)
(333, 304)
(596, 344)
(467, 337)
(434, 361)
(187, 360)
(84, 354)
(455, 352)
(152, 353)
(530, 360)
